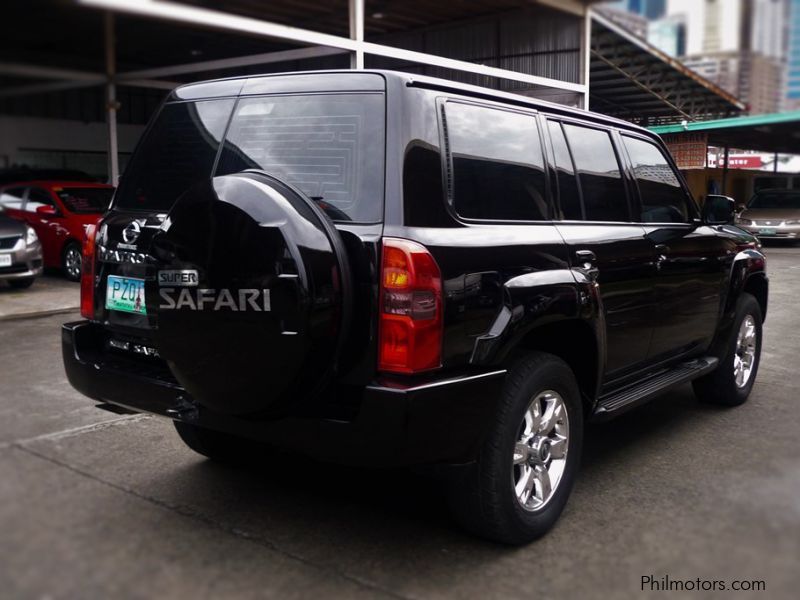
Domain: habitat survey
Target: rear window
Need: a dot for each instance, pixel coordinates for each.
(177, 152)
(85, 200)
(330, 146)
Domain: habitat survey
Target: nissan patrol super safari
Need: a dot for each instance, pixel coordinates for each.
(382, 269)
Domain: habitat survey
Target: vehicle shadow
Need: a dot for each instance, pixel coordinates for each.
(305, 507)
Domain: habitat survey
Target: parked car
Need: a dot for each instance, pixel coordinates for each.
(772, 214)
(60, 212)
(377, 268)
(20, 252)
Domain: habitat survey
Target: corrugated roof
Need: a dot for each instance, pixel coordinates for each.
(634, 80)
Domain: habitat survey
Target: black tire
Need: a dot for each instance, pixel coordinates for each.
(720, 386)
(216, 445)
(68, 256)
(483, 498)
(21, 284)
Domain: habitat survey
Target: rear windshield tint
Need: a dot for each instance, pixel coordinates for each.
(85, 200)
(177, 152)
(330, 146)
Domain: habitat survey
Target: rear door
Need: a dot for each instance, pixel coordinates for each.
(692, 260)
(596, 223)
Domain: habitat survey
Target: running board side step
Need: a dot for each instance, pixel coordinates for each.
(622, 401)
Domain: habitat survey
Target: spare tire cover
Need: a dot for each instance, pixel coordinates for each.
(253, 294)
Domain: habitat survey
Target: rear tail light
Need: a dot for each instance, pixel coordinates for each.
(87, 273)
(410, 333)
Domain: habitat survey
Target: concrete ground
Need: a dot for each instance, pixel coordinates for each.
(49, 294)
(96, 505)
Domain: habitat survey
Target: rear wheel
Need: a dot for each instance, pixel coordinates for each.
(216, 445)
(71, 261)
(731, 382)
(21, 283)
(526, 468)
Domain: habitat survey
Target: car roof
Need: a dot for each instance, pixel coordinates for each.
(413, 80)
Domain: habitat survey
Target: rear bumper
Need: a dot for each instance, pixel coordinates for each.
(397, 422)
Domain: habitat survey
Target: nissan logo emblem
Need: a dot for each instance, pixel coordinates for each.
(131, 233)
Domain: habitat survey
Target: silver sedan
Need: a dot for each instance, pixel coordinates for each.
(20, 252)
(772, 214)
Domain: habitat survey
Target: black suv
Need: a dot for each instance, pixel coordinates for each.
(382, 269)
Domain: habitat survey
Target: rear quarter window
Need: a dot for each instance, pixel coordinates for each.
(497, 164)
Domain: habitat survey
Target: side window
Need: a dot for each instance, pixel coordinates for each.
(12, 198)
(663, 198)
(498, 165)
(38, 197)
(569, 195)
(602, 187)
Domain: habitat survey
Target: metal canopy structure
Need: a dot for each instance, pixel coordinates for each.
(779, 132)
(635, 81)
(62, 49)
(60, 52)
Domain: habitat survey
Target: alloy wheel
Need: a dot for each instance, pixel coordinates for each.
(540, 454)
(744, 358)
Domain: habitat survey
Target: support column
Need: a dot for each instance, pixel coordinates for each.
(724, 190)
(356, 12)
(111, 100)
(586, 54)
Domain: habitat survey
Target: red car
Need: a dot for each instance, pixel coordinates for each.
(59, 211)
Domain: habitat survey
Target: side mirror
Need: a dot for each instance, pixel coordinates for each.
(719, 210)
(47, 209)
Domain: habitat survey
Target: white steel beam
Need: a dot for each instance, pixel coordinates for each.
(111, 101)
(585, 50)
(60, 86)
(39, 72)
(220, 20)
(231, 63)
(356, 13)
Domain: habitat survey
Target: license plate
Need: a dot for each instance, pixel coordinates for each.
(5, 260)
(125, 294)
(767, 231)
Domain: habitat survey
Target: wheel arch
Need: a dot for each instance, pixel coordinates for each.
(758, 286)
(576, 343)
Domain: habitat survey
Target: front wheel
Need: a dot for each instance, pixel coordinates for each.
(527, 466)
(731, 382)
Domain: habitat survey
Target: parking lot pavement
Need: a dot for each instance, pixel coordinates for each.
(49, 294)
(94, 504)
